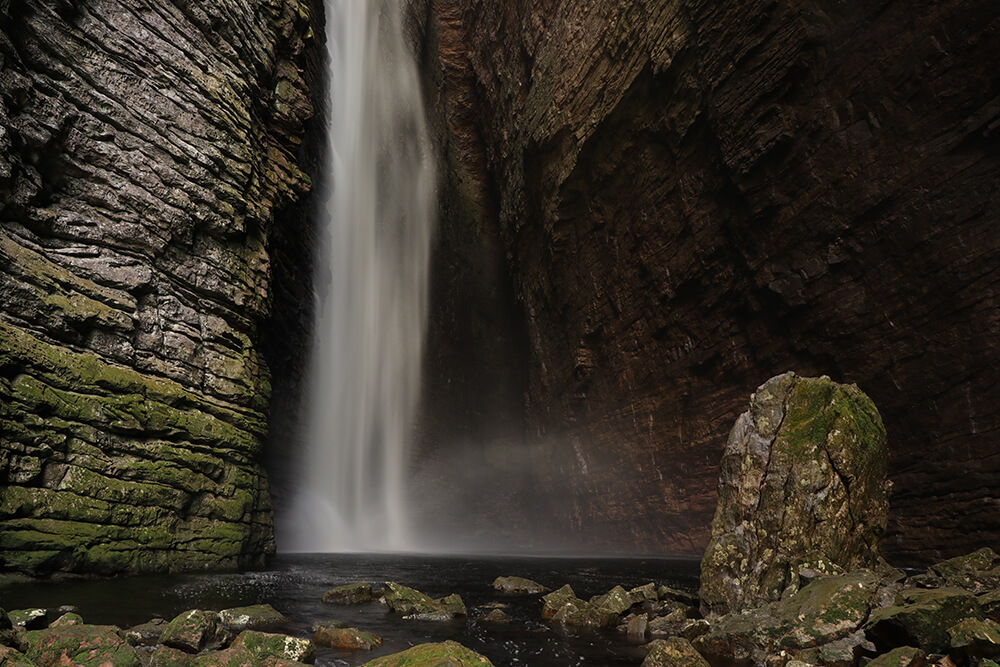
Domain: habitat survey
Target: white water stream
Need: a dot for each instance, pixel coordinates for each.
(378, 200)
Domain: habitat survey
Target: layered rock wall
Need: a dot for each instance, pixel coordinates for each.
(145, 152)
(695, 196)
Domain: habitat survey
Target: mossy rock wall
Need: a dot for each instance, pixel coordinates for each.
(146, 158)
(803, 486)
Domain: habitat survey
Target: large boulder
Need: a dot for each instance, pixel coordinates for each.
(193, 631)
(802, 487)
(447, 653)
(923, 618)
(419, 606)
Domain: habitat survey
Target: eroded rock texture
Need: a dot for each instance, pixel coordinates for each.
(696, 196)
(803, 485)
(145, 150)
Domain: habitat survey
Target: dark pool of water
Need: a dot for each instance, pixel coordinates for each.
(294, 585)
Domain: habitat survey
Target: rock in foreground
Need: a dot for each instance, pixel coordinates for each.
(802, 486)
(450, 654)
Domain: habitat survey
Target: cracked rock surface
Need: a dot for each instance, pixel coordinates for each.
(145, 152)
(803, 487)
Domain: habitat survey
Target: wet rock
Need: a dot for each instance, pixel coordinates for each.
(83, 645)
(447, 653)
(234, 656)
(978, 572)
(8, 635)
(846, 652)
(581, 614)
(644, 593)
(669, 624)
(802, 486)
(975, 638)
(146, 634)
(922, 618)
(518, 586)
(682, 597)
(251, 617)
(193, 631)
(263, 645)
(10, 657)
(674, 652)
(617, 600)
(822, 612)
(315, 627)
(29, 619)
(496, 617)
(692, 629)
(555, 600)
(904, 656)
(415, 605)
(166, 656)
(637, 626)
(66, 620)
(990, 605)
(350, 594)
(350, 639)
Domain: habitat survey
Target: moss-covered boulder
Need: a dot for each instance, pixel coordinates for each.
(824, 611)
(555, 600)
(977, 572)
(990, 605)
(447, 653)
(922, 618)
(262, 645)
(674, 652)
(10, 657)
(166, 656)
(81, 646)
(193, 631)
(251, 617)
(29, 619)
(415, 605)
(518, 586)
(802, 486)
(617, 600)
(350, 594)
(146, 634)
(904, 656)
(582, 614)
(349, 639)
(975, 638)
(67, 619)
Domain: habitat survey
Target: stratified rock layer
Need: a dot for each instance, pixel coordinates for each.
(145, 150)
(694, 196)
(802, 486)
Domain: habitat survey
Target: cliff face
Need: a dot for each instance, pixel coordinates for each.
(145, 153)
(693, 197)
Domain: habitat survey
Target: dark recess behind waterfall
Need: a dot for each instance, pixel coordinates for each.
(890, 280)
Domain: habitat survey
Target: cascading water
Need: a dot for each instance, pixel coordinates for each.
(378, 197)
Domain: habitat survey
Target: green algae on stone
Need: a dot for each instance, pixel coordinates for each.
(10, 657)
(904, 656)
(348, 639)
(192, 631)
(518, 586)
(922, 618)
(674, 652)
(263, 645)
(350, 594)
(82, 646)
(802, 488)
(448, 653)
(251, 617)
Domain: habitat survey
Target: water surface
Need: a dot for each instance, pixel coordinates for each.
(294, 585)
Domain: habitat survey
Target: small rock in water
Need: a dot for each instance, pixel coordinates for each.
(617, 600)
(644, 593)
(350, 594)
(554, 601)
(67, 619)
(637, 626)
(328, 624)
(518, 586)
(496, 617)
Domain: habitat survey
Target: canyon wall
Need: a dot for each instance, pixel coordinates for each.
(146, 152)
(694, 197)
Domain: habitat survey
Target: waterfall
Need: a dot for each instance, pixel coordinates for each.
(377, 198)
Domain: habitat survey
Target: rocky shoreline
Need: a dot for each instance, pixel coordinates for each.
(947, 616)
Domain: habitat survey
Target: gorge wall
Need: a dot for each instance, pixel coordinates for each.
(690, 198)
(148, 152)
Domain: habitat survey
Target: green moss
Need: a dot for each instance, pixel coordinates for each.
(807, 422)
(429, 655)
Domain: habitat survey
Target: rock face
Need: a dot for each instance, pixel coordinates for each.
(146, 152)
(692, 197)
(802, 486)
